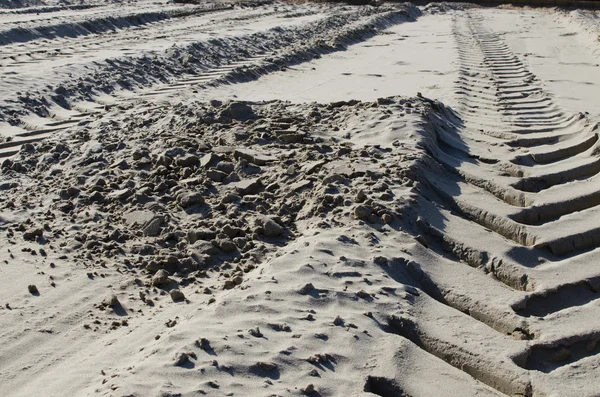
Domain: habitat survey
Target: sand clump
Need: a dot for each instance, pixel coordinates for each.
(151, 206)
(144, 210)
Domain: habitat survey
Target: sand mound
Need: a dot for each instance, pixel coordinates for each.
(198, 200)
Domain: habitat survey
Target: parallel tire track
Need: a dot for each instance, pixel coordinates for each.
(247, 58)
(99, 25)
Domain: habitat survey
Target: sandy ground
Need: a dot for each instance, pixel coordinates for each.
(297, 199)
(382, 66)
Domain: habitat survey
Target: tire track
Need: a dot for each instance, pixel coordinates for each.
(509, 187)
(107, 36)
(98, 25)
(31, 129)
(247, 58)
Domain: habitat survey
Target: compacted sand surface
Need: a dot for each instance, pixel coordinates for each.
(297, 199)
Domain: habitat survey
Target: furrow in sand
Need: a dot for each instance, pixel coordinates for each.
(54, 51)
(477, 350)
(450, 288)
(535, 129)
(102, 24)
(583, 168)
(543, 303)
(542, 213)
(553, 154)
(550, 356)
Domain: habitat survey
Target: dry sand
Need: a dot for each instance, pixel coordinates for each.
(277, 199)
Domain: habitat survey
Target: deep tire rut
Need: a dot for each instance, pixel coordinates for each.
(510, 184)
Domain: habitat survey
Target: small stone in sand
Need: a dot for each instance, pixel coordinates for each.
(387, 218)
(189, 160)
(160, 278)
(112, 301)
(272, 228)
(216, 175)
(153, 227)
(209, 160)
(363, 212)
(239, 111)
(33, 234)
(225, 245)
(280, 327)
(213, 384)
(249, 186)
(183, 358)
(33, 289)
(177, 295)
(307, 289)
(253, 156)
(203, 344)
(267, 366)
(422, 241)
(255, 332)
(562, 355)
(188, 199)
(423, 225)
(361, 196)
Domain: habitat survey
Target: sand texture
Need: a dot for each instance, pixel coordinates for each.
(299, 199)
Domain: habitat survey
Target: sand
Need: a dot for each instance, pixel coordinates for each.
(299, 199)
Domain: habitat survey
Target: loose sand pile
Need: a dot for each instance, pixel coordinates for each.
(185, 206)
